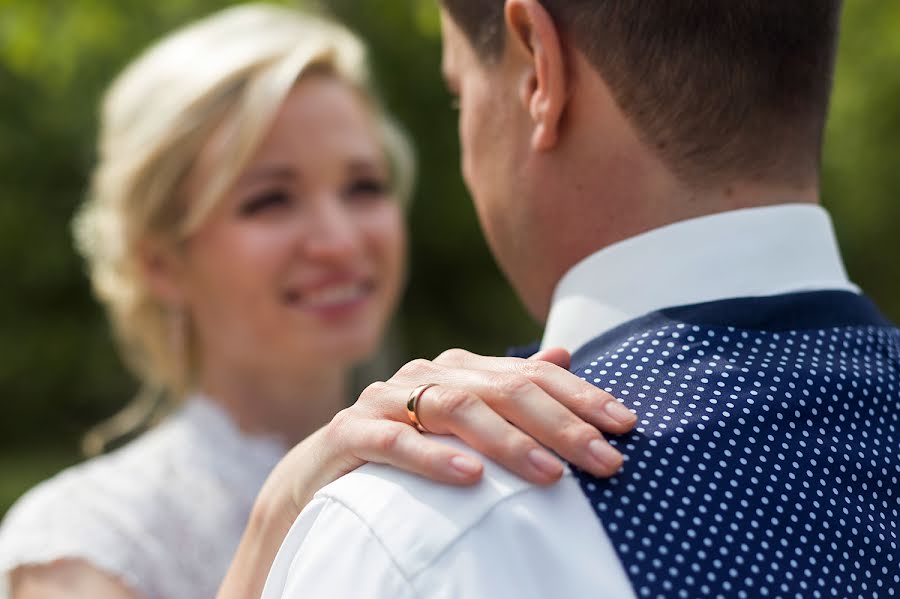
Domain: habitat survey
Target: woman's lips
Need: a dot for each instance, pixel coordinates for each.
(338, 297)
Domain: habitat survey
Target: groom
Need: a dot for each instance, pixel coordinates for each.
(646, 173)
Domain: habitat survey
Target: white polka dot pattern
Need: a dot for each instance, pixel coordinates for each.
(764, 464)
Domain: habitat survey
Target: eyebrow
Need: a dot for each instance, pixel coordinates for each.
(366, 165)
(288, 173)
(268, 172)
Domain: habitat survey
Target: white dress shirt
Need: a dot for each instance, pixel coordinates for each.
(379, 532)
(744, 253)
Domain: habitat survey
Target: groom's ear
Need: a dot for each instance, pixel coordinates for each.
(534, 45)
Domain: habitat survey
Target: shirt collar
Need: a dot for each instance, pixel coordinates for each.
(743, 253)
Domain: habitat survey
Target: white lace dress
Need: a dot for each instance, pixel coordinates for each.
(165, 513)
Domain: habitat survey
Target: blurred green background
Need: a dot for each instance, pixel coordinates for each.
(58, 370)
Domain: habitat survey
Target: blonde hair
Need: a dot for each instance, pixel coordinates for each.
(228, 73)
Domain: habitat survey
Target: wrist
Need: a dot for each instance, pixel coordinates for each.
(267, 526)
(291, 485)
(273, 511)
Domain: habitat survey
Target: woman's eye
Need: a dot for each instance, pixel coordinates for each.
(263, 202)
(368, 189)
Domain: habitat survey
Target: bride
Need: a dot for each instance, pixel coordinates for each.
(245, 232)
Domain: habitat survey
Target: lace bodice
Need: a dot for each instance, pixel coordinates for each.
(164, 513)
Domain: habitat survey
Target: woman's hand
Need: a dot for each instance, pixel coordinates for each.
(506, 408)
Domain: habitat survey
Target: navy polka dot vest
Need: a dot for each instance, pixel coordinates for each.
(766, 459)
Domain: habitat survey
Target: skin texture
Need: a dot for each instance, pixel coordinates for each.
(312, 215)
(476, 398)
(546, 148)
(313, 210)
(68, 578)
(309, 215)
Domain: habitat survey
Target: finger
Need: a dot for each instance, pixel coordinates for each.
(481, 429)
(466, 416)
(517, 400)
(401, 446)
(385, 400)
(588, 402)
(554, 355)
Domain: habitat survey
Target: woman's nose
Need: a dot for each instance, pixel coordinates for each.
(333, 233)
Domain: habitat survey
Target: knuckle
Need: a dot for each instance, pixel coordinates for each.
(374, 391)
(512, 443)
(593, 393)
(338, 426)
(519, 445)
(452, 402)
(452, 356)
(535, 369)
(585, 397)
(511, 386)
(416, 368)
(432, 459)
(503, 449)
(580, 435)
(388, 439)
(342, 419)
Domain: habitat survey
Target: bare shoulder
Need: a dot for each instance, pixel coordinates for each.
(66, 579)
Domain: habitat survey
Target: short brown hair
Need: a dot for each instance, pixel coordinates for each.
(721, 88)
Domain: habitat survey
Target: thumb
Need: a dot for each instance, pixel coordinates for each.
(554, 355)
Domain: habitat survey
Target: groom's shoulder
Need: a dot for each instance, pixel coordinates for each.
(415, 519)
(395, 534)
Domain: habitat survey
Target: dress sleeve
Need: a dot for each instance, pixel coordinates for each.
(330, 552)
(55, 521)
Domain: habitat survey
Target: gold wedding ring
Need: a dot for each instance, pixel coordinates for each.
(412, 406)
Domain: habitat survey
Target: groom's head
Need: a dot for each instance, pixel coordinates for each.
(584, 122)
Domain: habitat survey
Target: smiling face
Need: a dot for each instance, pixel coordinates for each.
(301, 263)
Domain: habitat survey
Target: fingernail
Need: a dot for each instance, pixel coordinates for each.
(619, 412)
(465, 465)
(604, 454)
(543, 461)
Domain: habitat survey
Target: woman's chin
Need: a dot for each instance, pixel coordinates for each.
(347, 349)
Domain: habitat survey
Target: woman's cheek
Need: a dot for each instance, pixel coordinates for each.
(389, 235)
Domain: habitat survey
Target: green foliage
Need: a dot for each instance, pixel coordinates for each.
(58, 370)
(24, 467)
(862, 152)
